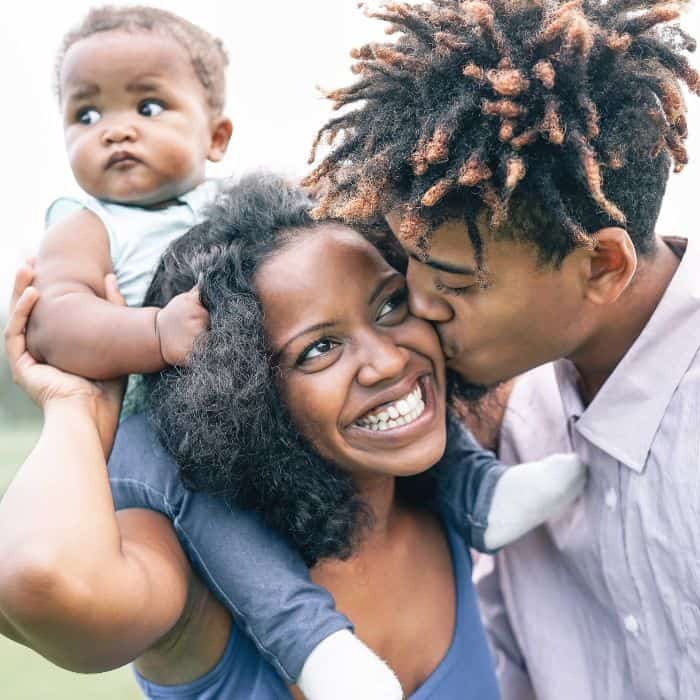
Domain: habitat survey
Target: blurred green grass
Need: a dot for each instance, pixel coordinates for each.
(25, 675)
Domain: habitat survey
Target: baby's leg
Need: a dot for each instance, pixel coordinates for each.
(260, 578)
(491, 504)
(527, 495)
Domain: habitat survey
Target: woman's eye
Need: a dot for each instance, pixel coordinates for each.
(317, 349)
(397, 301)
(88, 116)
(150, 108)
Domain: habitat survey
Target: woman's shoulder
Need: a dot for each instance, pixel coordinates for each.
(207, 657)
(200, 644)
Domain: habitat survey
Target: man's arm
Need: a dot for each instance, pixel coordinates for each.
(73, 327)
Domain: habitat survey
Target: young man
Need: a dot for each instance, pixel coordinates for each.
(520, 153)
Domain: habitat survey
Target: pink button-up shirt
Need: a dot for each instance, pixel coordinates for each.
(603, 603)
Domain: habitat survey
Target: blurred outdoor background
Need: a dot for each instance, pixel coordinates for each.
(279, 53)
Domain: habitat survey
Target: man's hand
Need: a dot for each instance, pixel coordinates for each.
(178, 324)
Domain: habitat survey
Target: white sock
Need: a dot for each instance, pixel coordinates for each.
(529, 494)
(341, 667)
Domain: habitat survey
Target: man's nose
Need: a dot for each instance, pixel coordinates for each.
(118, 132)
(383, 359)
(423, 300)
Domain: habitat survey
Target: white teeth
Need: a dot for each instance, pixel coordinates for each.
(403, 412)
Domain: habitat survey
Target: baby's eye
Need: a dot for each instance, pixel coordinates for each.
(317, 349)
(88, 116)
(395, 303)
(150, 108)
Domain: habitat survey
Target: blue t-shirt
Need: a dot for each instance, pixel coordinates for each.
(465, 673)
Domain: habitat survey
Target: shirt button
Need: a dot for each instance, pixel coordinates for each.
(611, 499)
(631, 624)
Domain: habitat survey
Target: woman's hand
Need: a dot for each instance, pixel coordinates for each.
(47, 385)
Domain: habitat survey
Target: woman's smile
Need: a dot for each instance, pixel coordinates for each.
(363, 379)
(401, 421)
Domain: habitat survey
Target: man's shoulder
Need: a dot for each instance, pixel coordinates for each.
(534, 423)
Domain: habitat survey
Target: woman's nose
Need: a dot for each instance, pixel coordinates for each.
(118, 132)
(423, 301)
(384, 359)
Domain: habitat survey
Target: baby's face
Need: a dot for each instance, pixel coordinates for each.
(137, 124)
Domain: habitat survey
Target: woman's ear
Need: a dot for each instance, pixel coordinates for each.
(613, 263)
(221, 130)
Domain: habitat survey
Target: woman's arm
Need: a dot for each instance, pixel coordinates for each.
(83, 587)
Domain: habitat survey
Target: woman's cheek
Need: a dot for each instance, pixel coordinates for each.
(316, 403)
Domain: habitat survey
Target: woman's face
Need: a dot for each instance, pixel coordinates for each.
(362, 378)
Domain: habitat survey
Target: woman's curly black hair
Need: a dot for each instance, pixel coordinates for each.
(557, 118)
(222, 417)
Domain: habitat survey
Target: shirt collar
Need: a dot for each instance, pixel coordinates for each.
(623, 418)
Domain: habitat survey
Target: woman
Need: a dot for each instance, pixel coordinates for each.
(338, 346)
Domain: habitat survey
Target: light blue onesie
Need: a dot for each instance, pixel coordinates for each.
(137, 239)
(138, 236)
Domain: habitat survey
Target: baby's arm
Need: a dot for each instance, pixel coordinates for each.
(75, 329)
(493, 505)
(260, 578)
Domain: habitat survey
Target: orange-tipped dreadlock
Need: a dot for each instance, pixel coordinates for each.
(574, 107)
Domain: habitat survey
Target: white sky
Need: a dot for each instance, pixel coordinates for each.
(279, 50)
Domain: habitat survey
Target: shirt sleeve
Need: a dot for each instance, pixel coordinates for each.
(255, 572)
(467, 477)
(511, 671)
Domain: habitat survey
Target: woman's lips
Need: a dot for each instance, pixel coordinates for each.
(399, 434)
(403, 411)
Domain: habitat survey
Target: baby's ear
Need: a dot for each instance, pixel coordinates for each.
(221, 130)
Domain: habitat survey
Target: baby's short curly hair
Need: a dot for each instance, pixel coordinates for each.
(205, 51)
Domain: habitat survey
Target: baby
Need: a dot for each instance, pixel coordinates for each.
(142, 96)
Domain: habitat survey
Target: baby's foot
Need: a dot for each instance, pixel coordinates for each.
(529, 494)
(341, 667)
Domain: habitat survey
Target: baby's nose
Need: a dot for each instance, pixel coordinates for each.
(118, 133)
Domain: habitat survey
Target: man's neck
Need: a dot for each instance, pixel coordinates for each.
(623, 321)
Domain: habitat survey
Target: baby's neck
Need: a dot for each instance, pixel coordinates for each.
(162, 199)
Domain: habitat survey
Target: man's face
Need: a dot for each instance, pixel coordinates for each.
(517, 315)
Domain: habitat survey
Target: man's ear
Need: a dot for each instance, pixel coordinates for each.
(613, 263)
(221, 130)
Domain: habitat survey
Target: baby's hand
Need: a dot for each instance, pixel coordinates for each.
(178, 324)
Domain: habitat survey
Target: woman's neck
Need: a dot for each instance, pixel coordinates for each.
(378, 492)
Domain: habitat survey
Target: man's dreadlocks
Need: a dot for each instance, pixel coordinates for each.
(556, 119)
